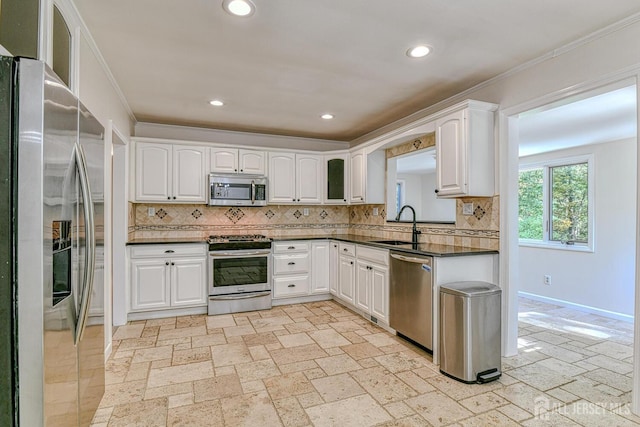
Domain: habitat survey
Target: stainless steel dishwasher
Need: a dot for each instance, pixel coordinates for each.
(411, 297)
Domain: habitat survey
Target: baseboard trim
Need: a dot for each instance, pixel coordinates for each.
(158, 314)
(584, 308)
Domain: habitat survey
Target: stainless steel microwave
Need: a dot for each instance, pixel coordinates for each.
(237, 190)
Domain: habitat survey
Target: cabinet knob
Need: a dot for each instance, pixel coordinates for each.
(291, 286)
(335, 246)
(437, 191)
(361, 198)
(298, 199)
(291, 247)
(168, 198)
(292, 263)
(294, 200)
(351, 262)
(174, 197)
(166, 263)
(346, 250)
(235, 170)
(173, 263)
(169, 251)
(344, 200)
(241, 170)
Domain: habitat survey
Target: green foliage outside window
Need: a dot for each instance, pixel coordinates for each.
(530, 211)
(570, 203)
(567, 207)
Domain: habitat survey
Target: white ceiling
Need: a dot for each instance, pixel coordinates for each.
(606, 117)
(293, 60)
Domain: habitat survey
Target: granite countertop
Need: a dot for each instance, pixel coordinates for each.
(420, 249)
(431, 249)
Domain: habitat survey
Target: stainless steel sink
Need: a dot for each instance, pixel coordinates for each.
(392, 242)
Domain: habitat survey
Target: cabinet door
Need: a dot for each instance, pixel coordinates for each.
(309, 178)
(347, 270)
(282, 174)
(337, 177)
(149, 284)
(188, 282)
(358, 173)
(363, 286)
(320, 269)
(251, 162)
(189, 177)
(333, 267)
(451, 155)
(224, 160)
(380, 292)
(153, 172)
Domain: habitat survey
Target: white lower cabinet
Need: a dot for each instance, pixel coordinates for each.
(372, 282)
(291, 269)
(334, 256)
(320, 265)
(168, 276)
(346, 278)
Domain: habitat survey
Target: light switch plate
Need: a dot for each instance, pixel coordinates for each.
(375, 211)
(305, 211)
(467, 209)
(151, 211)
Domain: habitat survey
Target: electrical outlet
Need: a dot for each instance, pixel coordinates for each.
(305, 211)
(547, 279)
(375, 211)
(151, 211)
(467, 209)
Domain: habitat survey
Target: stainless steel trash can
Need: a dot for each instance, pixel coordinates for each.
(470, 331)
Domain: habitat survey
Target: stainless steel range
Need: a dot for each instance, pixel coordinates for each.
(239, 273)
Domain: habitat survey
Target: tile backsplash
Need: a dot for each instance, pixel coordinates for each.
(479, 230)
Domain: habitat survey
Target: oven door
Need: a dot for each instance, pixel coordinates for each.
(239, 271)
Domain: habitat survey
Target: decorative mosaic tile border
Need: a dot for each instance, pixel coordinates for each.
(425, 141)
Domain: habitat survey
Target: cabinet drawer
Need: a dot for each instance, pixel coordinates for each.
(347, 249)
(374, 255)
(149, 251)
(286, 247)
(290, 264)
(290, 286)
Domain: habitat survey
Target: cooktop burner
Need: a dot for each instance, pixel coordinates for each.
(239, 242)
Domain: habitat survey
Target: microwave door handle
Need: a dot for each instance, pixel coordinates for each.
(253, 192)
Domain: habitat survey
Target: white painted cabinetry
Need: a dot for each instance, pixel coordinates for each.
(320, 267)
(170, 173)
(367, 177)
(233, 160)
(168, 276)
(346, 272)
(465, 151)
(295, 178)
(291, 269)
(372, 282)
(334, 256)
(336, 186)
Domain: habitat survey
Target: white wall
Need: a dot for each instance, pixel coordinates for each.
(604, 279)
(438, 209)
(412, 195)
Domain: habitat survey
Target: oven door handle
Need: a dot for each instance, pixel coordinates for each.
(234, 297)
(238, 253)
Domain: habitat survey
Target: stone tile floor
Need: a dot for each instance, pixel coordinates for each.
(319, 364)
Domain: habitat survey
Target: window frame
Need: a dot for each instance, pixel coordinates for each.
(546, 166)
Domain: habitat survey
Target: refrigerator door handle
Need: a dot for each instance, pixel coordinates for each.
(90, 242)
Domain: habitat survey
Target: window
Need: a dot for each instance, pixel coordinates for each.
(556, 204)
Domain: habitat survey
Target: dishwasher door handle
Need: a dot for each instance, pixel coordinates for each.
(411, 259)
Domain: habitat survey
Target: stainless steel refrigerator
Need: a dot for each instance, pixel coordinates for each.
(55, 174)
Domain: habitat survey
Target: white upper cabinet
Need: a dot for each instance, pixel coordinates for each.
(309, 178)
(165, 172)
(153, 172)
(367, 173)
(465, 151)
(233, 160)
(337, 179)
(295, 178)
(189, 176)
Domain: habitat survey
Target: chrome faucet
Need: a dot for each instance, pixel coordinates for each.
(414, 234)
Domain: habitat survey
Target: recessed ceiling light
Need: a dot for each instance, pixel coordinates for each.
(239, 7)
(216, 103)
(327, 116)
(418, 51)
